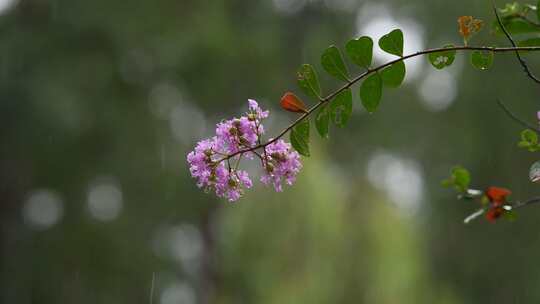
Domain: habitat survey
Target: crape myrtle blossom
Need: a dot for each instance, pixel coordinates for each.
(281, 163)
(214, 170)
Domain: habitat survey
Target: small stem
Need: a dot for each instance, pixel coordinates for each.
(517, 119)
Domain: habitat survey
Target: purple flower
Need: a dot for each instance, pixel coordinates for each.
(229, 184)
(209, 162)
(200, 162)
(282, 164)
(255, 109)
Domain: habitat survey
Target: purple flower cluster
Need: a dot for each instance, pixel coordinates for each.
(213, 168)
(281, 163)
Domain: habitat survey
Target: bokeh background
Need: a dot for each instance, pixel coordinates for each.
(101, 101)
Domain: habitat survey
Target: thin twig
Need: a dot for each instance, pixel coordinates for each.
(531, 201)
(152, 288)
(518, 56)
(517, 119)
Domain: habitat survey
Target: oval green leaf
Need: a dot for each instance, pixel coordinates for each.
(392, 76)
(308, 81)
(360, 51)
(332, 62)
(341, 108)
(482, 60)
(371, 92)
(392, 42)
(300, 137)
(440, 60)
(322, 121)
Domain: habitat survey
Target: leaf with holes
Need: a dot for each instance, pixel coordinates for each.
(341, 108)
(440, 60)
(332, 62)
(371, 92)
(392, 43)
(360, 51)
(308, 81)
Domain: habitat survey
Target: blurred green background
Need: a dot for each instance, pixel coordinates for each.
(102, 100)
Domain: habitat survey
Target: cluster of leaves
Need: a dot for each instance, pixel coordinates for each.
(493, 200)
(522, 20)
(529, 140)
(337, 108)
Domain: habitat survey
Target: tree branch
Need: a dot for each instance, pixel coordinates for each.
(518, 56)
(373, 70)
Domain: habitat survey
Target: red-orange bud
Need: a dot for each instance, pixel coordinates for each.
(292, 103)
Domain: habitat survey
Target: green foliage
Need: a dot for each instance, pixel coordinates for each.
(516, 26)
(308, 81)
(513, 9)
(529, 42)
(360, 51)
(300, 137)
(538, 10)
(371, 92)
(482, 60)
(332, 62)
(529, 140)
(534, 172)
(459, 179)
(392, 42)
(341, 108)
(440, 60)
(392, 76)
(322, 121)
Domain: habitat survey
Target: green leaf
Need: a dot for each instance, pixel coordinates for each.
(529, 136)
(371, 92)
(529, 42)
(538, 10)
(529, 140)
(332, 62)
(482, 60)
(534, 172)
(392, 42)
(341, 108)
(300, 137)
(515, 26)
(459, 178)
(360, 51)
(322, 121)
(392, 76)
(440, 60)
(308, 81)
